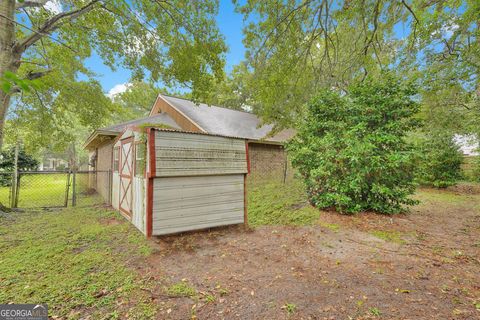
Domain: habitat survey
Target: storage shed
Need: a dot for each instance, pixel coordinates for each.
(167, 181)
(267, 157)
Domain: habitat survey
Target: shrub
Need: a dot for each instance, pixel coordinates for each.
(351, 150)
(25, 161)
(7, 164)
(475, 174)
(441, 161)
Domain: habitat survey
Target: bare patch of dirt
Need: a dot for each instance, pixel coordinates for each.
(110, 221)
(421, 265)
(465, 188)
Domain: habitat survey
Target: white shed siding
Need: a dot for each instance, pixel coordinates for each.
(115, 190)
(138, 203)
(191, 203)
(181, 154)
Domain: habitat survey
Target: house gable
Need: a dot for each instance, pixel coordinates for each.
(201, 117)
(163, 106)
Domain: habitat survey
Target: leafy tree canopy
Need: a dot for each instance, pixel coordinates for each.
(49, 40)
(296, 48)
(136, 101)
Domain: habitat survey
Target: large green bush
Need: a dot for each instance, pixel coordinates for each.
(441, 161)
(351, 148)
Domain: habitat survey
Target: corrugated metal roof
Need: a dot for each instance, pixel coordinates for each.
(161, 118)
(195, 132)
(227, 122)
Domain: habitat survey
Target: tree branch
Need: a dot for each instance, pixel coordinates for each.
(53, 24)
(414, 16)
(278, 23)
(376, 13)
(30, 4)
(35, 75)
(28, 28)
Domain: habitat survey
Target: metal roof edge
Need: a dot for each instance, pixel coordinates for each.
(218, 135)
(278, 143)
(195, 132)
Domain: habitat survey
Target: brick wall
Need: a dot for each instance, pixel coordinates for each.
(267, 162)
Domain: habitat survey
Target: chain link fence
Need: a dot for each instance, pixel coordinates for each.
(42, 189)
(6, 179)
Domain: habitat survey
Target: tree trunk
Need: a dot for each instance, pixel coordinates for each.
(8, 59)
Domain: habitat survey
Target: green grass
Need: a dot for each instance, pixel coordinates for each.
(429, 196)
(374, 311)
(331, 226)
(73, 262)
(274, 203)
(49, 190)
(390, 236)
(290, 308)
(181, 289)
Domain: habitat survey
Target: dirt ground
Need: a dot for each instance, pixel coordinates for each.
(421, 265)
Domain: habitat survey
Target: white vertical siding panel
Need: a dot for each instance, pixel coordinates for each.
(115, 189)
(138, 203)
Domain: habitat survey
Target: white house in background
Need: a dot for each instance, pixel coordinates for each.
(469, 144)
(52, 163)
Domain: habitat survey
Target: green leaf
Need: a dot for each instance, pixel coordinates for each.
(6, 86)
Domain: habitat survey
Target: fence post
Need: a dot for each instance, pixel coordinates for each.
(74, 187)
(15, 177)
(13, 189)
(110, 178)
(68, 188)
(17, 191)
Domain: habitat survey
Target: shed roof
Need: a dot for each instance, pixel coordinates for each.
(227, 122)
(161, 118)
(104, 134)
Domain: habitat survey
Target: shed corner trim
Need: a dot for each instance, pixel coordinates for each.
(151, 175)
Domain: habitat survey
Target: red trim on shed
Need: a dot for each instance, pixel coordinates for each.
(150, 177)
(151, 143)
(245, 202)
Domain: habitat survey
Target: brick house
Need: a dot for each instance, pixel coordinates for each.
(267, 155)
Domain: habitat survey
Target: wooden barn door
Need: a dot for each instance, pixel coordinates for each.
(126, 174)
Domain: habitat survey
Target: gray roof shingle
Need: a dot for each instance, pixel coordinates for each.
(227, 122)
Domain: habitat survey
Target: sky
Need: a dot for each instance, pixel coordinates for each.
(230, 24)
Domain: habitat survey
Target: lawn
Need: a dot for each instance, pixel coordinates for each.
(273, 203)
(49, 190)
(294, 263)
(76, 261)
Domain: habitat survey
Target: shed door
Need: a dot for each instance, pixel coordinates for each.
(126, 173)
